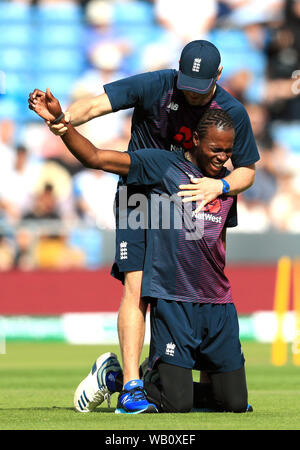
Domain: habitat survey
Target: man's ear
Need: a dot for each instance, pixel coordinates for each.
(196, 140)
(220, 73)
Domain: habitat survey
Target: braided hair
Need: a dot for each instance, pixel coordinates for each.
(214, 117)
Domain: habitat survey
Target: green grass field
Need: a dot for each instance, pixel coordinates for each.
(37, 382)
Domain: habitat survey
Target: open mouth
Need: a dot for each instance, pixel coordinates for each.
(216, 166)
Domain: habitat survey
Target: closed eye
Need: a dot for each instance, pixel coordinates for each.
(221, 150)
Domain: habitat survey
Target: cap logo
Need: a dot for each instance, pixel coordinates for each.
(196, 65)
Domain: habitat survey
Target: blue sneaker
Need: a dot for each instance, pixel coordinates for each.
(133, 400)
(99, 384)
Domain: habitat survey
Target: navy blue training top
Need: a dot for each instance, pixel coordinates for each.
(185, 256)
(162, 118)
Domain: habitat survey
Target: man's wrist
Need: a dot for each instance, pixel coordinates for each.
(58, 119)
(225, 186)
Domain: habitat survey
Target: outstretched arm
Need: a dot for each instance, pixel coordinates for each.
(49, 109)
(79, 112)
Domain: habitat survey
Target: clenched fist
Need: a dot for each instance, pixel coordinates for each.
(44, 104)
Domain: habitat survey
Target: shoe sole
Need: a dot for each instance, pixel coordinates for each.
(149, 410)
(80, 398)
(79, 401)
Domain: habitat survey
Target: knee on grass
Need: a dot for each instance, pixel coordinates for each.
(235, 405)
(178, 404)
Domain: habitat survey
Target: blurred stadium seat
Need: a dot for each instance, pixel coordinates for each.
(234, 40)
(9, 108)
(62, 12)
(89, 240)
(18, 83)
(19, 34)
(252, 60)
(63, 35)
(15, 12)
(287, 134)
(14, 58)
(59, 82)
(130, 13)
(237, 52)
(70, 61)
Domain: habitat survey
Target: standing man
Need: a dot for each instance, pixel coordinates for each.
(167, 106)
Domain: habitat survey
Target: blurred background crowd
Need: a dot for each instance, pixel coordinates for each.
(52, 210)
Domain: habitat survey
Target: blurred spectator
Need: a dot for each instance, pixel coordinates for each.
(94, 193)
(283, 52)
(256, 205)
(2, 212)
(23, 257)
(292, 20)
(266, 180)
(106, 59)
(17, 184)
(51, 249)
(44, 207)
(238, 83)
(101, 31)
(121, 141)
(281, 101)
(259, 118)
(162, 53)
(238, 13)
(7, 136)
(35, 136)
(55, 2)
(55, 253)
(105, 50)
(6, 253)
(59, 178)
(46, 147)
(260, 46)
(252, 217)
(189, 21)
(285, 206)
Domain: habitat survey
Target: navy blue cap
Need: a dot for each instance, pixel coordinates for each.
(198, 67)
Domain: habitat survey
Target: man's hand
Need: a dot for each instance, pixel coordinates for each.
(44, 104)
(203, 190)
(59, 129)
